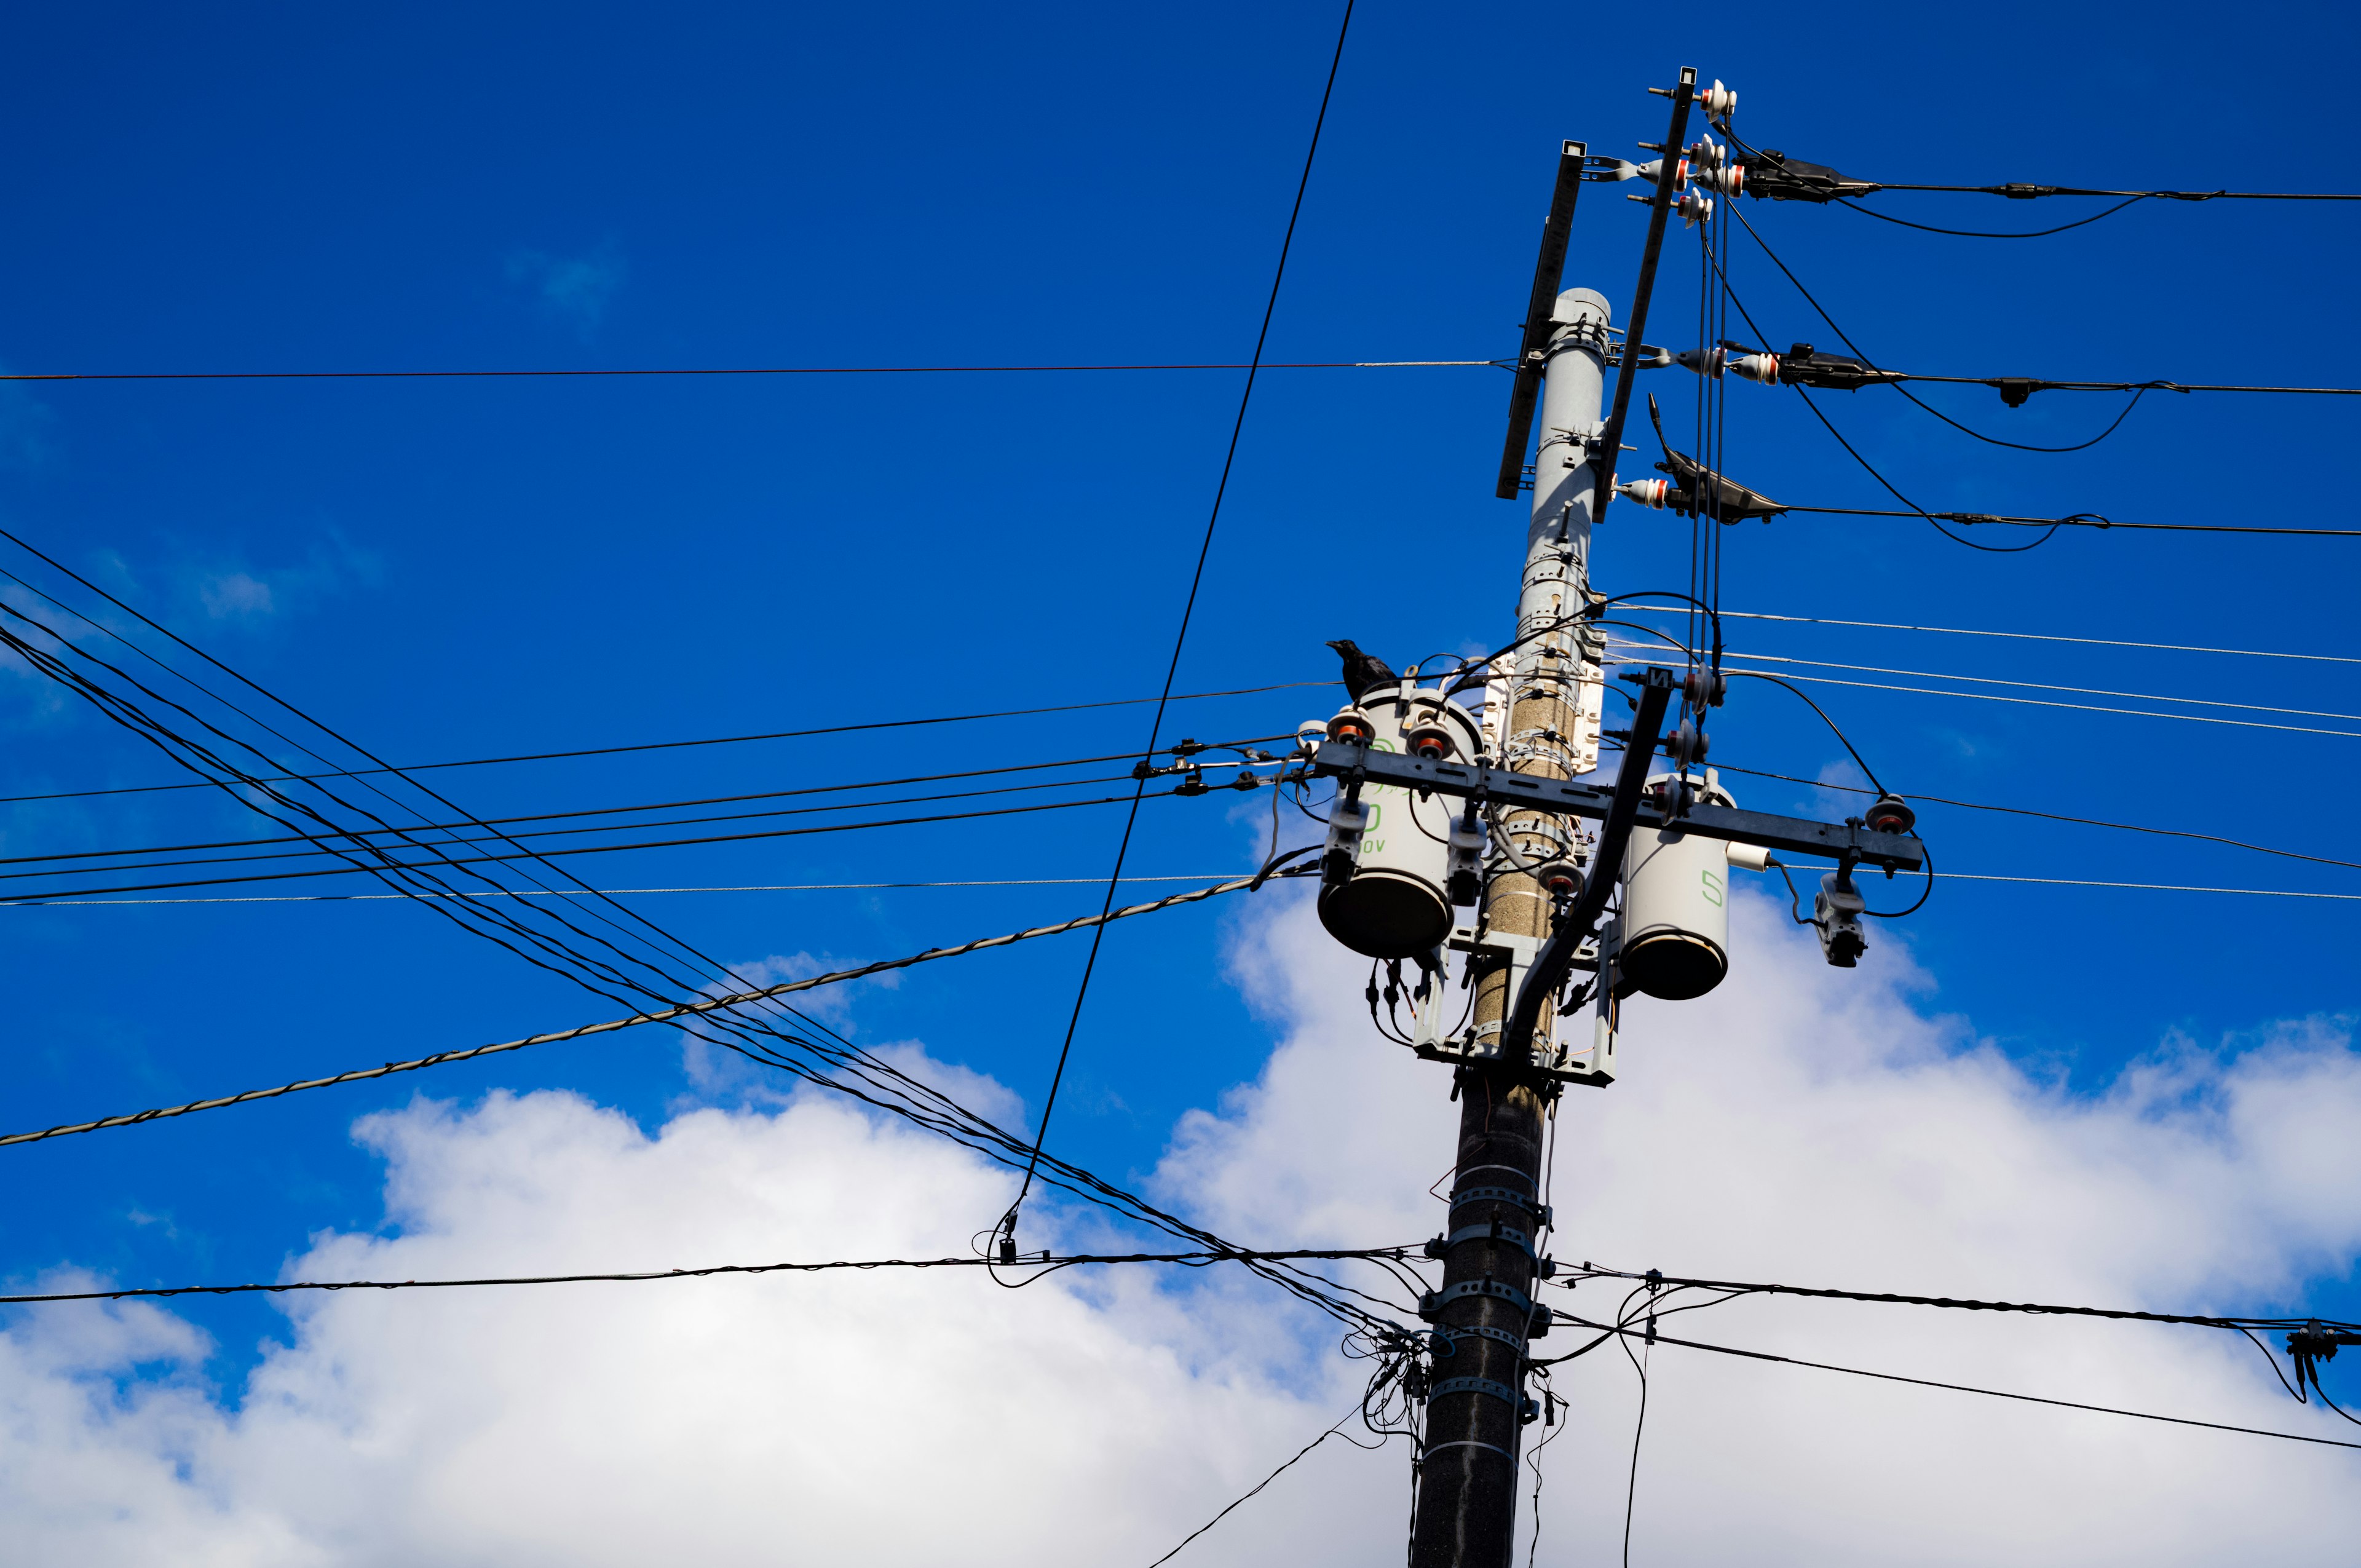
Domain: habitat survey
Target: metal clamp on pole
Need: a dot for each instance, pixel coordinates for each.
(1555, 961)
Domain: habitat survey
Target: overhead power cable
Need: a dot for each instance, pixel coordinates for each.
(1191, 761)
(2017, 636)
(811, 1051)
(588, 893)
(2047, 685)
(1660, 1338)
(672, 745)
(2073, 706)
(1255, 1490)
(1006, 1227)
(2060, 816)
(458, 836)
(1850, 450)
(529, 854)
(718, 370)
(703, 1006)
(1953, 1303)
(2154, 886)
(1037, 1264)
(2078, 519)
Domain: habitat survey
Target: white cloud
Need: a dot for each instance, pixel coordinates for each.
(577, 289)
(1802, 1124)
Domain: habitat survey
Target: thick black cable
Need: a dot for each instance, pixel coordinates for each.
(1187, 610)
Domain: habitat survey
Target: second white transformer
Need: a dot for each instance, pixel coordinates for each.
(1675, 924)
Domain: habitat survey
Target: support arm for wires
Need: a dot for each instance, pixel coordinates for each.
(1549, 270)
(1555, 959)
(1506, 790)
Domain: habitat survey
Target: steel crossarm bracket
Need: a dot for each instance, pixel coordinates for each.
(1549, 270)
(1797, 835)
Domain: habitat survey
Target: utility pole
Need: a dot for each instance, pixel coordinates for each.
(1388, 887)
(1546, 725)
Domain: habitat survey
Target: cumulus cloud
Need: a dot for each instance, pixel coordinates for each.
(1802, 1124)
(574, 290)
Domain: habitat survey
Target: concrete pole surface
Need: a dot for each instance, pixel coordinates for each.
(1467, 1504)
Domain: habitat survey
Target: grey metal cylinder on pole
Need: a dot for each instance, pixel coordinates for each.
(1541, 717)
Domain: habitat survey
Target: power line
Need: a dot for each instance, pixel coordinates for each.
(48, 866)
(2018, 636)
(2060, 816)
(1192, 761)
(823, 1057)
(1972, 1389)
(2072, 706)
(671, 745)
(1968, 1304)
(1255, 1490)
(2154, 886)
(2079, 520)
(704, 1006)
(590, 893)
(2042, 685)
(1007, 1226)
(718, 370)
(1041, 1264)
(522, 854)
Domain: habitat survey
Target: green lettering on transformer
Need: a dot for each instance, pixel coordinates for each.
(1712, 888)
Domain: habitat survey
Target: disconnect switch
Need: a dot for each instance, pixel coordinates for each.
(1835, 911)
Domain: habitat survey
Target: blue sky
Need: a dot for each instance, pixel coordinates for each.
(449, 569)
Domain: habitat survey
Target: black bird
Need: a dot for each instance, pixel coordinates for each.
(1363, 671)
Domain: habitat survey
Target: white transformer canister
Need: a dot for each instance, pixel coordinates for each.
(1676, 925)
(1396, 903)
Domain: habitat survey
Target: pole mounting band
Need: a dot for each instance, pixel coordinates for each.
(1531, 1205)
(1467, 1443)
(1499, 1391)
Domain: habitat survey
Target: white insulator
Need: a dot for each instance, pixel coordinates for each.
(1647, 492)
(1706, 155)
(1763, 368)
(1707, 362)
(1718, 102)
(1730, 181)
(1695, 207)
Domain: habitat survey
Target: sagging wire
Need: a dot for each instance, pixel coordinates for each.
(1812, 300)
(1871, 468)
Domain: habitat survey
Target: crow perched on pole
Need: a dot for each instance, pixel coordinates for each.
(1363, 671)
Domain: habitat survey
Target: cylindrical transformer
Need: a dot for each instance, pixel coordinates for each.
(1675, 922)
(1396, 903)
